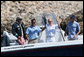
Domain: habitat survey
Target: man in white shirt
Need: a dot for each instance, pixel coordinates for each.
(50, 31)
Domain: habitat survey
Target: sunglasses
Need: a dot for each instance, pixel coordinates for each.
(49, 21)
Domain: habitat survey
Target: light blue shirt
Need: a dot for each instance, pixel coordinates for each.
(73, 29)
(51, 30)
(33, 32)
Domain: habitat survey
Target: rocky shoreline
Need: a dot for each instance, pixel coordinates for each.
(30, 9)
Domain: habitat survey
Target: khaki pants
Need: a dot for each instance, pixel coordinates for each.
(26, 42)
(33, 41)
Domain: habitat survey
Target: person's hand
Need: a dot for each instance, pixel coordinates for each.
(19, 37)
(75, 36)
(27, 39)
(59, 22)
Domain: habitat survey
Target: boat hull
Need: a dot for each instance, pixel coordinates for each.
(74, 50)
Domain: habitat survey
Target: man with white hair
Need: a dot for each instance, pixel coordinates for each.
(50, 31)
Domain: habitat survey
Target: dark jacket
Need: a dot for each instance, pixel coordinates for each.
(5, 41)
(16, 29)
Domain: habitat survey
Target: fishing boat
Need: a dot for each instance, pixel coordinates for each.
(62, 46)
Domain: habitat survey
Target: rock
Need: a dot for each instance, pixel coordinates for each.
(31, 9)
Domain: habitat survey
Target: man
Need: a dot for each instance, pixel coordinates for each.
(73, 28)
(50, 31)
(4, 40)
(18, 30)
(32, 32)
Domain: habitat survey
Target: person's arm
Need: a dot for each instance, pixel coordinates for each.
(21, 40)
(27, 33)
(14, 30)
(43, 28)
(59, 22)
(76, 34)
(78, 31)
(44, 20)
(27, 37)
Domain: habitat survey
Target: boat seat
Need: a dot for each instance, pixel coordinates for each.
(12, 38)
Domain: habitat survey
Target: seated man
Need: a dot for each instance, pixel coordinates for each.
(50, 31)
(73, 28)
(4, 40)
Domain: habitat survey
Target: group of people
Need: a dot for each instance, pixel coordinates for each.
(31, 34)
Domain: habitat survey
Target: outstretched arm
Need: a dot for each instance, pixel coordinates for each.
(43, 28)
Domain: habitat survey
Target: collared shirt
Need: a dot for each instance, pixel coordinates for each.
(51, 30)
(22, 30)
(72, 28)
(33, 32)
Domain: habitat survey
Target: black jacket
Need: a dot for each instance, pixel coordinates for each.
(16, 29)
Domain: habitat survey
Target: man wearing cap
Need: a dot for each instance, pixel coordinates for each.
(73, 28)
(18, 30)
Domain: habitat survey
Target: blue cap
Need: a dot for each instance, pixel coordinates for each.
(72, 17)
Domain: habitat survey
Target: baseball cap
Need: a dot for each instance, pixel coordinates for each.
(72, 17)
(18, 18)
